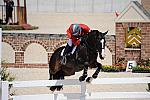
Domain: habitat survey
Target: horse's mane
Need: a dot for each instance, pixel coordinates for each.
(90, 38)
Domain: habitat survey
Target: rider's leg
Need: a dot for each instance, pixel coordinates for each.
(68, 47)
(73, 50)
(66, 51)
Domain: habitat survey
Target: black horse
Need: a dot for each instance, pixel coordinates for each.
(84, 57)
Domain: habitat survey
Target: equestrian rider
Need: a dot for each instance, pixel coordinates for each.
(74, 33)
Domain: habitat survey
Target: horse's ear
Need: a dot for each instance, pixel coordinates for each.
(106, 32)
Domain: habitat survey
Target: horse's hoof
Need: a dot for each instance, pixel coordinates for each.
(59, 88)
(89, 79)
(53, 88)
(94, 76)
(81, 78)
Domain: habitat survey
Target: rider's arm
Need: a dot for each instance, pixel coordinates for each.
(70, 36)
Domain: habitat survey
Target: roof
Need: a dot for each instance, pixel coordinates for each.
(134, 12)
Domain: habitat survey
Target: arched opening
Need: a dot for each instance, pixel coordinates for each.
(35, 53)
(8, 54)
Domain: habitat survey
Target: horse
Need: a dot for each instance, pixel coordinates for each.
(85, 56)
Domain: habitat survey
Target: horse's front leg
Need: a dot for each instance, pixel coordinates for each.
(99, 67)
(95, 75)
(84, 75)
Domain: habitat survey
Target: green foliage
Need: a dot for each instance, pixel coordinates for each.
(140, 69)
(5, 75)
(147, 62)
(10, 27)
(120, 64)
(143, 66)
(118, 67)
(109, 68)
(143, 62)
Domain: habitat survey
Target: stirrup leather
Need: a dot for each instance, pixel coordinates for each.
(64, 60)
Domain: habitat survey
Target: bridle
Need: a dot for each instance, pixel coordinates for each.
(95, 48)
(91, 48)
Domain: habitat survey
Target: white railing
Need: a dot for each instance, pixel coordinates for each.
(83, 95)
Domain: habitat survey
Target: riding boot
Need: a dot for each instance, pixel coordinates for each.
(66, 51)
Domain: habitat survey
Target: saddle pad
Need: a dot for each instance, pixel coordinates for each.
(62, 52)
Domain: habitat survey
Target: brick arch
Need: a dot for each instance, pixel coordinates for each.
(25, 45)
(10, 43)
(59, 44)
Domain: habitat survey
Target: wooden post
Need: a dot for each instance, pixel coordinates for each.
(4, 90)
(0, 48)
(83, 90)
(148, 86)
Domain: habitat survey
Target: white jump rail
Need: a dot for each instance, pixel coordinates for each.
(82, 95)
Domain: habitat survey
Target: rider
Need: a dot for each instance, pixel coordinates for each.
(74, 32)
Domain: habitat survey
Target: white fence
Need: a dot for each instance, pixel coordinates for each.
(83, 95)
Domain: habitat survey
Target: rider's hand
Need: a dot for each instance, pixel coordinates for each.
(78, 42)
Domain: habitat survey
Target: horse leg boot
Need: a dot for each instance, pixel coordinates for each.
(95, 75)
(82, 78)
(66, 51)
(99, 66)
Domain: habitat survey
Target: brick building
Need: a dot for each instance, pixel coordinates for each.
(34, 50)
(133, 33)
(146, 4)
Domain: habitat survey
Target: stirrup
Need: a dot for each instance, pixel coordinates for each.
(64, 60)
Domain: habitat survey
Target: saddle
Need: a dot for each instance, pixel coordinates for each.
(79, 55)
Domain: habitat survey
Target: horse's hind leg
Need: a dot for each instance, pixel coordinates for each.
(59, 76)
(99, 66)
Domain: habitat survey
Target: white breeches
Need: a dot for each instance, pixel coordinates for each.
(70, 43)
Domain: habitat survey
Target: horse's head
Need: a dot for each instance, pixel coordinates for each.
(99, 40)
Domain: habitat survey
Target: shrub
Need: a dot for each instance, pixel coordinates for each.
(120, 64)
(121, 67)
(143, 66)
(5, 75)
(144, 62)
(140, 69)
(109, 68)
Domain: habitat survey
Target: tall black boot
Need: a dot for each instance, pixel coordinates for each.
(66, 51)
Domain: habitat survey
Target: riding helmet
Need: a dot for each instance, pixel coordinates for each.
(76, 29)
